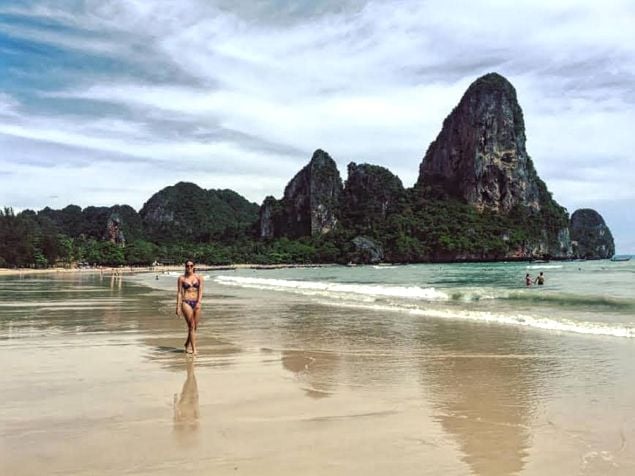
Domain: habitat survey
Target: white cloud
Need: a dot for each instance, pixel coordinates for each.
(63, 40)
(8, 105)
(255, 89)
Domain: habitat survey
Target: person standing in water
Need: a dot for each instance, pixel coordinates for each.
(540, 279)
(527, 280)
(189, 294)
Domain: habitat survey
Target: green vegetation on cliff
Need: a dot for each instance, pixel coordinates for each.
(220, 227)
(478, 197)
(186, 212)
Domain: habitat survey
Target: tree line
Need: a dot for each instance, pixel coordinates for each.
(417, 230)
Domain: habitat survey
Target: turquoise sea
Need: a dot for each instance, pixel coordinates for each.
(585, 297)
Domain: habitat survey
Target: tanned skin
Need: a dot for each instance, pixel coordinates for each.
(191, 293)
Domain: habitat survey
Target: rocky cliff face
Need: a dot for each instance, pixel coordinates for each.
(478, 196)
(118, 224)
(267, 218)
(310, 203)
(125, 222)
(479, 157)
(371, 194)
(591, 238)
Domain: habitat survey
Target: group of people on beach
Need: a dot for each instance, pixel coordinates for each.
(540, 279)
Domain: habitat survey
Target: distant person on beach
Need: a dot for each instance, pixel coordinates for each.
(527, 280)
(189, 295)
(540, 279)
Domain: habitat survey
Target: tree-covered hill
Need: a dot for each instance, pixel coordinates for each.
(186, 212)
(177, 222)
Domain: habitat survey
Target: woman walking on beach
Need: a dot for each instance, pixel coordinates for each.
(189, 294)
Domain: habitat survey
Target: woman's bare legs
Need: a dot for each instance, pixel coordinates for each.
(195, 318)
(188, 315)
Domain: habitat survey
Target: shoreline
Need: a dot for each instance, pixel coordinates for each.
(205, 267)
(153, 269)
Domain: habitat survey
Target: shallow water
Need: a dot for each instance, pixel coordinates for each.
(293, 382)
(586, 297)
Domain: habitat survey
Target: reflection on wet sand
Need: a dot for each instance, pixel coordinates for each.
(116, 280)
(186, 408)
(485, 395)
(315, 370)
(213, 352)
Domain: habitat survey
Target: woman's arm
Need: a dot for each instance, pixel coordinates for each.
(178, 296)
(200, 291)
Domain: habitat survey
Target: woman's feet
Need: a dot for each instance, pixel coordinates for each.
(190, 349)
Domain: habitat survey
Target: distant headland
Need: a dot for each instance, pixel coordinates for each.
(478, 198)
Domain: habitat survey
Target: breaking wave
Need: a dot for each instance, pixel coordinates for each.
(340, 290)
(431, 302)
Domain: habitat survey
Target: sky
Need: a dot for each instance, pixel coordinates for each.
(105, 102)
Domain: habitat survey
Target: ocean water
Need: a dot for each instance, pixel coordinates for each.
(585, 297)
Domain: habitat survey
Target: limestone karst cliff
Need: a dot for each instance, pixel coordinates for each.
(118, 224)
(479, 156)
(591, 238)
(478, 197)
(310, 205)
(371, 194)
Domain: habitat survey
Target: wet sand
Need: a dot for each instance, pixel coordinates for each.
(95, 381)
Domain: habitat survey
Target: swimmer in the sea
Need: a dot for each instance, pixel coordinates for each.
(540, 279)
(189, 295)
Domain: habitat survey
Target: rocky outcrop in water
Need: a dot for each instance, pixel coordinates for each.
(591, 238)
(310, 205)
(366, 251)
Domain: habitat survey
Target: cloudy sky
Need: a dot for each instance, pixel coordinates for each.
(108, 101)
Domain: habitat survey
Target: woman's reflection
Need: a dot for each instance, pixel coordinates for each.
(186, 413)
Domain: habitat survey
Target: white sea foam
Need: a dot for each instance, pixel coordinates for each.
(418, 301)
(478, 294)
(367, 292)
(544, 266)
(523, 320)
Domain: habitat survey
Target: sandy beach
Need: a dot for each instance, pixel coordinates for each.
(95, 381)
(160, 269)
